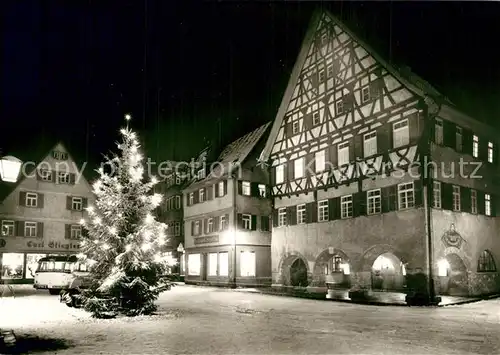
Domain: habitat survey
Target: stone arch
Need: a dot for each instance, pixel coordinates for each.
(384, 268)
(453, 275)
(322, 260)
(372, 253)
(285, 266)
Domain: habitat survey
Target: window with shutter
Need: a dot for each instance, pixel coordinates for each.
(319, 161)
(456, 198)
(31, 199)
(490, 152)
(346, 206)
(400, 134)
(298, 168)
(436, 194)
(487, 204)
(282, 217)
(473, 201)
(301, 214)
(323, 211)
(406, 196)
(475, 146)
(373, 202)
(280, 174)
(370, 144)
(343, 153)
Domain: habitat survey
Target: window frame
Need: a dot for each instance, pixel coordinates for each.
(282, 217)
(29, 225)
(323, 211)
(31, 196)
(404, 191)
(346, 206)
(246, 221)
(404, 127)
(376, 200)
(11, 223)
(457, 202)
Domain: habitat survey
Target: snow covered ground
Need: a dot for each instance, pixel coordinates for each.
(196, 320)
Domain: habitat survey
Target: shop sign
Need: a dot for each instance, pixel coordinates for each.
(52, 245)
(206, 240)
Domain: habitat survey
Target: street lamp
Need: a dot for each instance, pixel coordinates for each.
(9, 168)
(180, 250)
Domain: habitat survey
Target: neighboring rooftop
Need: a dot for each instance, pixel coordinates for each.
(234, 153)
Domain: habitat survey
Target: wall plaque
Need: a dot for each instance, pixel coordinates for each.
(206, 240)
(451, 238)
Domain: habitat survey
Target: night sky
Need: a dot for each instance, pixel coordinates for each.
(72, 65)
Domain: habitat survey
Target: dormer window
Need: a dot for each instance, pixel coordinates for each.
(201, 174)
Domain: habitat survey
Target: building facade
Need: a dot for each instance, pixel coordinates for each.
(360, 158)
(227, 218)
(40, 214)
(174, 176)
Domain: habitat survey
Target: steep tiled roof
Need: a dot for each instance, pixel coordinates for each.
(234, 153)
(34, 153)
(413, 82)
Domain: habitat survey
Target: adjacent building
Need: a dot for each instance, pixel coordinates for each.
(40, 214)
(374, 178)
(174, 176)
(227, 217)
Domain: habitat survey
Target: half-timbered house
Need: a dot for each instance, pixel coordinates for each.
(227, 218)
(360, 157)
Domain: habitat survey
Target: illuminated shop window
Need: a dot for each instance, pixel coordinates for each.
(194, 264)
(32, 264)
(12, 266)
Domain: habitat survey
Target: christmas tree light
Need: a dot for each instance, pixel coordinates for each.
(122, 239)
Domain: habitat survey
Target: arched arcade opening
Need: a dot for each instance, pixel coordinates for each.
(388, 273)
(452, 276)
(332, 267)
(294, 271)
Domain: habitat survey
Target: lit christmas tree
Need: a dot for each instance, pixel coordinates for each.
(122, 240)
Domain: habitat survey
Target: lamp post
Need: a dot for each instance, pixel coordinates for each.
(233, 241)
(180, 250)
(9, 168)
